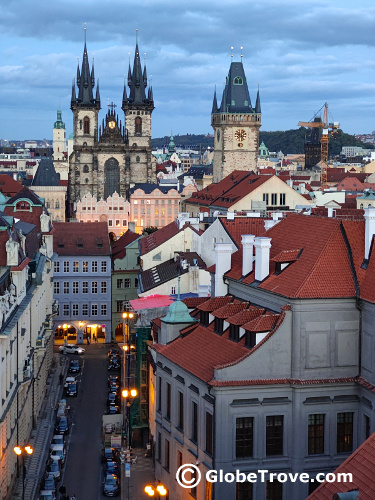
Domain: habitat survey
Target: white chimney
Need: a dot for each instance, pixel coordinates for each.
(330, 211)
(223, 263)
(262, 257)
(369, 229)
(247, 253)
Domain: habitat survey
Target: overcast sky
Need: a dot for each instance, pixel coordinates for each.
(301, 54)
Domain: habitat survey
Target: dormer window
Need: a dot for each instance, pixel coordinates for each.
(237, 81)
(79, 242)
(99, 242)
(234, 333)
(250, 339)
(219, 324)
(23, 205)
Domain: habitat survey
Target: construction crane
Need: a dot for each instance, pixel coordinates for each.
(324, 141)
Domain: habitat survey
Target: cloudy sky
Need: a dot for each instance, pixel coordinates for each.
(301, 54)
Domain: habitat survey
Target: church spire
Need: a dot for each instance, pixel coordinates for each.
(257, 104)
(86, 83)
(214, 104)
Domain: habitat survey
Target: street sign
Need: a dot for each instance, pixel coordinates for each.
(127, 470)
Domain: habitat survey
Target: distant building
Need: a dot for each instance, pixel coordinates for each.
(46, 184)
(82, 281)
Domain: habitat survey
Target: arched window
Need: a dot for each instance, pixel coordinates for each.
(361, 206)
(85, 144)
(138, 159)
(86, 125)
(23, 205)
(85, 169)
(112, 177)
(138, 125)
(237, 81)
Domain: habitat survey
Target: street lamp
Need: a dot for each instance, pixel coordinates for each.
(159, 491)
(129, 395)
(126, 316)
(22, 451)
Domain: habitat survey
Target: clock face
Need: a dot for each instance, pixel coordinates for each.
(240, 135)
(111, 124)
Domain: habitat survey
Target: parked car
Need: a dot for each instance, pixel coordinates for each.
(111, 485)
(113, 410)
(112, 467)
(71, 390)
(47, 495)
(61, 408)
(71, 349)
(114, 388)
(114, 379)
(74, 366)
(69, 380)
(62, 426)
(57, 439)
(113, 399)
(109, 455)
(48, 482)
(113, 352)
(53, 467)
(57, 451)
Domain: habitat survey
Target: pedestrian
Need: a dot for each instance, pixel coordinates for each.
(62, 491)
(65, 497)
(94, 337)
(88, 340)
(61, 378)
(73, 497)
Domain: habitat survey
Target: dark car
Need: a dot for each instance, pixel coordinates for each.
(113, 352)
(48, 482)
(109, 455)
(113, 399)
(113, 410)
(111, 485)
(62, 426)
(114, 388)
(71, 390)
(74, 366)
(112, 467)
(114, 379)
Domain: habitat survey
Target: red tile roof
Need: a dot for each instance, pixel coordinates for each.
(193, 302)
(158, 237)
(229, 309)
(367, 285)
(323, 268)
(245, 316)
(243, 225)
(352, 183)
(361, 464)
(8, 186)
(263, 323)
(287, 256)
(280, 381)
(214, 303)
(119, 246)
(335, 175)
(86, 238)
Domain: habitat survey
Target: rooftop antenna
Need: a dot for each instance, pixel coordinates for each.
(241, 52)
(178, 285)
(231, 52)
(84, 29)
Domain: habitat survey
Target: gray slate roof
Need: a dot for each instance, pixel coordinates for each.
(46, 174)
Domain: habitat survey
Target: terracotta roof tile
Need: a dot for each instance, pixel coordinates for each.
(8, 186)
(86, 238)
(243, 225)
(245, 316)
(214, 303)
(280, 381)
(229, 309)
(193, 302)
(287, 256)
(155, 239)
(263, 323)
(361, 464)
(119, 246)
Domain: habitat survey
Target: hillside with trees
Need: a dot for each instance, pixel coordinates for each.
(288, 141)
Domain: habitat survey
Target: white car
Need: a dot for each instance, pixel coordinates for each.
(71, 349)
(47, 495)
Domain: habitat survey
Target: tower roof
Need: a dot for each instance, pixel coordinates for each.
(178, 313)
(59, 123)
(85, 84)
(137, 83)
(236, 97)
(46, 174)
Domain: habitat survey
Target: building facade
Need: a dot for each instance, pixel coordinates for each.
(236, 126)
(82, 282)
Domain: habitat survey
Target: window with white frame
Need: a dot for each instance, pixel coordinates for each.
(104, 266)
(110, 223)
(127, 283)
(75, 310)
(56, 287)
(103, 309)
(85, 266)
(56, 267)
(94, 266)
(94, 309)
(66, 287)
(94, 287)
(103, 287)
(85, 287)
(75, 266)
(75, 287)
(66, 310)
(120, 283)
(66, 266)
(85, 310)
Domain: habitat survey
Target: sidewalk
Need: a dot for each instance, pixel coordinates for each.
(141, 474)
(40, 436)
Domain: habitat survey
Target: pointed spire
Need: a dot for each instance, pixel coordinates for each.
(92, 74)
(97, 96)
(257, 104)
(78, 74)
(129, 74)
(214, 104)
(85, 80)
(145, 76)
(73, 92)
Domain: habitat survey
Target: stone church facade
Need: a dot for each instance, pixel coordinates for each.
(113, 156)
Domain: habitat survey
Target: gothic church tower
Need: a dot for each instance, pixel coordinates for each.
(236, 126)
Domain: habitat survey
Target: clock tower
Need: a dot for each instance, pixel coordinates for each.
(236, 126)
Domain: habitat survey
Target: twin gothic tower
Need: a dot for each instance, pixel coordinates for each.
(112, 156)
